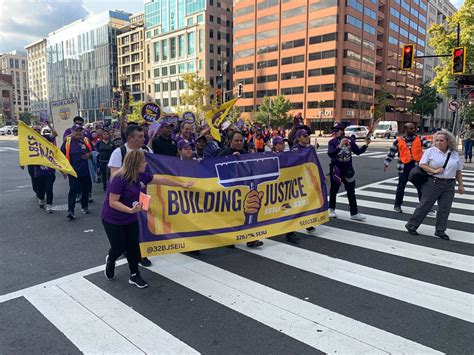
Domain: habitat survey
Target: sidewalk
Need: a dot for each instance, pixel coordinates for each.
(8, 138)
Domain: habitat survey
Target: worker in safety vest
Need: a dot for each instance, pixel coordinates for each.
(78, 150)
(410, 150)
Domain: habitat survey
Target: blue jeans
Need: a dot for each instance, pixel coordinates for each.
(468, 149)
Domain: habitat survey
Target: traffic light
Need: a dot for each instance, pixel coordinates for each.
(219, 97)
(459, 60)
(408, 56)
(240, 90)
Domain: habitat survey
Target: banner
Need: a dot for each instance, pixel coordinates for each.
(151, 112)
(62, 113)
(233, 200)
(216, 116)
(36, 150)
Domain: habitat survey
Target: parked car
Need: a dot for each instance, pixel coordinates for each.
(356, 132)
(15, 130)
(8, 129)
(3, 131)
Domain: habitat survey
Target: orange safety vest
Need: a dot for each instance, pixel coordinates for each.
(259, 143)
(408, 154)
(68, 146)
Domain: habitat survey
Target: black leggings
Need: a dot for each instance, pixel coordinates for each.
(123, 238)
(44, 184)
(104, 173)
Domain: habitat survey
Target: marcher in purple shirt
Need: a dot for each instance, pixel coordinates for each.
(340, 151)
(120, 212)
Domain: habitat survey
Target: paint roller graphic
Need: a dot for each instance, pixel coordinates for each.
(249, 173)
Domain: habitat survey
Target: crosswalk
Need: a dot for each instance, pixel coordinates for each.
(8, 149)
(348, 287)
(369, 154)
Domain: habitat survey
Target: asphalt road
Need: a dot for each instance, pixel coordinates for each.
(355, 287)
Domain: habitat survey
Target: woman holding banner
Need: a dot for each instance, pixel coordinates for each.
(120, 212)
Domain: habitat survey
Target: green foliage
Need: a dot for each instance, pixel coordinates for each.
(382, 98)
(276, 111)
(27, 117)
(195, 96)
(468, 115)
(426, 101)
(443, 40)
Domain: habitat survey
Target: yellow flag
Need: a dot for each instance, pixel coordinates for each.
(36, 150)
(216, 116)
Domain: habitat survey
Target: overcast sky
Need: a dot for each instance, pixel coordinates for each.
(25, 21)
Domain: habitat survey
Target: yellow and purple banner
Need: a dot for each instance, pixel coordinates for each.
(233, 200)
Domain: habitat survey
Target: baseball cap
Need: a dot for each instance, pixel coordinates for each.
(338, 127)
(183, 143)
(77, 126)
(277, 140)
(301, 132)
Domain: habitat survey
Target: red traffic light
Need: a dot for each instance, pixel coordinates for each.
(408, 49)
(458, 52)
(408, 56)
(458, 60)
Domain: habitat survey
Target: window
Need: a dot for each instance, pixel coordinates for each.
(296, 105)
(267, 19)
(219, 35)
(211, 33)
(404, 19)
(211, 18)
(181, 85)
(201, 40)
(164, 71)
(244, 25)
(211, 64)
(370, 13)
(293, 44)
(267, 49)
(292, 91)
(267, 3)
(172, 47)
(211, 48)
(244, 53)
(403, 32)
(156, 51)
(165, 102)
(244, 39)
(164, 49)
(323, 21)
(267, 64)
(157, 87)
(355, 5)
(323, 38)
(267, 34)
(181, 68)
(181, 46)
(172, 69)
(164, 86)
(322, 71)
(393, 26)
(200, 19)
(322, 4)
(189, 22)
(156, 72)
(322, 55)
(394, 13)
(173, 85)
(294, 12)
(293, 28)
(246, 81)
(245, 10)
(263, 93)
(267, 78)
(292, 75)
(244, 67)
(292, 60)
(370, 29)
(191, 42)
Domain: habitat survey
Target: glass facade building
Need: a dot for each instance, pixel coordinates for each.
(82, 62)
(170, 14)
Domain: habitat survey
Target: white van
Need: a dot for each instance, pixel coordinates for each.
(386, 129)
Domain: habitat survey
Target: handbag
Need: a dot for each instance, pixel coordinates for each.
(418, 176)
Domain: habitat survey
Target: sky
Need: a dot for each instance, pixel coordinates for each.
(26, 21)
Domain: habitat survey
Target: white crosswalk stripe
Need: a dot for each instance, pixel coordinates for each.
(8, 149)
(96, 321)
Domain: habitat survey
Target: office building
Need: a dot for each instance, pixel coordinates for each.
(37, 77)
(187, 36)
(15, 64)
(329, 58)
(438, 13)
(131, 56)
(82, 62)
(6, 96)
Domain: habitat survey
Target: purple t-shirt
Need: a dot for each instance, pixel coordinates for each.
(129, 193)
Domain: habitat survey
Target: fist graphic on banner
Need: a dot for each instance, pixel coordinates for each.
(252, 202)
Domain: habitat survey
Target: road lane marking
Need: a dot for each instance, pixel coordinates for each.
(393, 182)
(413, 190)
(313, 325)
(137, 329)
(394, 247)
(457, 217)
(395, 224)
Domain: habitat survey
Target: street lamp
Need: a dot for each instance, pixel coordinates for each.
(320, 104)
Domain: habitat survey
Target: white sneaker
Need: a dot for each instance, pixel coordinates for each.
(41, 203)
(332, 213)
(432, 213)
(358, 217)
(49, 209)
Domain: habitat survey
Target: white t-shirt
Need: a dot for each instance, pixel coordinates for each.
(435, 158)
(116, 157)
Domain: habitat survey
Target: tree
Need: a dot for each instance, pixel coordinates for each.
(27, 118)
(468, 115)
(274, 112)
(381, 104)
(135, 114)
(443, 39)
(426, 101)
(197, 91)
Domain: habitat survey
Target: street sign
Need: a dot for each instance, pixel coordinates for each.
(454, 105)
